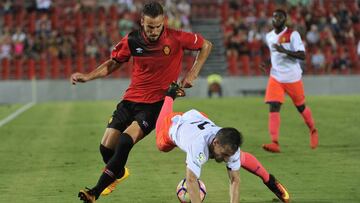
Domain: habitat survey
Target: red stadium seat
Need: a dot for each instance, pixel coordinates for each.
(256, 64)
(113, 13)
(232, 61)
(80, 64)
(5, 69)
(67, 63)
(8, 20)
(91, 64)
(42, 68)
(32, 22)
(55, 68)
(18, 64)
(20, 16)
(101, 15)
(245, 64)
(31, 68)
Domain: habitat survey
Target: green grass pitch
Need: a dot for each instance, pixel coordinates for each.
(51, 151)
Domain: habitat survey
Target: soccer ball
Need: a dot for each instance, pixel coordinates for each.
(183, 195)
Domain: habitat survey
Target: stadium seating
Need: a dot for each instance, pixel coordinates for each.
(77, 24)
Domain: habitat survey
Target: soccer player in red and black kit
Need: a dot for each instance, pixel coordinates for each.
(157, 53)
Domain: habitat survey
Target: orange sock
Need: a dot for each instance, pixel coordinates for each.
(251, 164)
(166, 109)
(307, 116)
(274, 126)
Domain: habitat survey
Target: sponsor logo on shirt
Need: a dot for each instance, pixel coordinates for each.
(201, 159)
(145, 124)
(139, 50)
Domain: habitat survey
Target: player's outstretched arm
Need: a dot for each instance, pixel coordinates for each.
(193, 186)
(103, 70)
(201, 57)
(234, 177)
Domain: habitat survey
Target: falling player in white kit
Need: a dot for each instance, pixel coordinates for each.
(201, 140)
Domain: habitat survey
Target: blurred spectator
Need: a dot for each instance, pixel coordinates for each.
(43, 26)
(5, 45)
(43, 5)
(91, 49)
(313, 36)
(53, 43)
(175, 21)
(66, 48)
(126, 5)
(318, 61)
(126, 25)
(18, 40)
(7, 6)
(341, 63)
(214, 85)
(327, 38)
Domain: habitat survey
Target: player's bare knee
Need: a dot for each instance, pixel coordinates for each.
(135, 132)
(110, 138)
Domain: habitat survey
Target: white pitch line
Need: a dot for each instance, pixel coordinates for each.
(16, 113)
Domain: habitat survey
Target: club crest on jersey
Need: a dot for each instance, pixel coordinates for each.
(283, 40)
(166, 50)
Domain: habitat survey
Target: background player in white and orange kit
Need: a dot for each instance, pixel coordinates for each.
(195, 134)
(286, 48)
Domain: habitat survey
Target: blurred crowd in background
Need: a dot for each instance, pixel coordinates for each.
(329, 28)
(51, 39)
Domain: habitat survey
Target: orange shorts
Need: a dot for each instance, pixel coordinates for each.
(163, 141)
(275, 91)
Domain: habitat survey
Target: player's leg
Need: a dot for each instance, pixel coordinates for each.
(253, 165)
(115, 167)
(118, 122)
(296, 92)
(163, 122)
(274, 97)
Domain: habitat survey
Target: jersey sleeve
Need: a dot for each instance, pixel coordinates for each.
(296, 42)
(121, 52)
(196, 156)
(266, 40)
(234, 161)
(191, 41)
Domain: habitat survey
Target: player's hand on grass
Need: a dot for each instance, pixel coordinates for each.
(78, 77)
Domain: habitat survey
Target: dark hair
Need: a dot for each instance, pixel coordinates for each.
(230, 137)
(279, 10)
(152, 9)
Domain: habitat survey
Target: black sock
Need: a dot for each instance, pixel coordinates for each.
(105, 180)
(106, 153)
(115, 167)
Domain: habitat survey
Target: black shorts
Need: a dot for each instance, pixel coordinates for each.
(126, 112)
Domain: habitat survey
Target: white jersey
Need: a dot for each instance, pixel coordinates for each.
(193, 133)
(285, 69)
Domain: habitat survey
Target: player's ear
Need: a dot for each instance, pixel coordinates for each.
(216, 142)
(142, 20)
